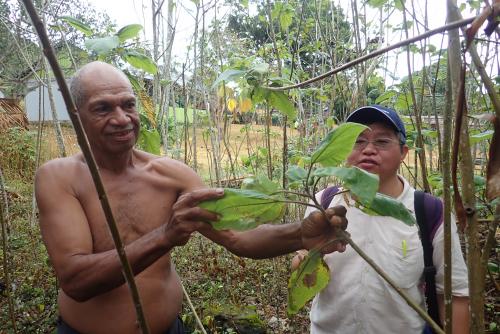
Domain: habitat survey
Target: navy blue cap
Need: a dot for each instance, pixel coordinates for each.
(376, 113)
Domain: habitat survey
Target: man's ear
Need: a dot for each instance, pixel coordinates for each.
(404, 152)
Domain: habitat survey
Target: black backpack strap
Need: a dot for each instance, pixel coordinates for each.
(327, 196)
(425, 228)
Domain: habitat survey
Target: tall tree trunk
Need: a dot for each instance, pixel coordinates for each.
(476, 272)
(416, 109)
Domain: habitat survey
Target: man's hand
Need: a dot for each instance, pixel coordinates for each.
(187, 217)
(318, 230)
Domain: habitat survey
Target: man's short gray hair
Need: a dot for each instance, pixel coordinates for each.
(77, 90)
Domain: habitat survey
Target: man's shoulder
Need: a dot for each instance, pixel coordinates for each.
(62, 165)
(171, 169)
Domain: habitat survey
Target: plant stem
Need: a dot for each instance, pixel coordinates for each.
(403, 294)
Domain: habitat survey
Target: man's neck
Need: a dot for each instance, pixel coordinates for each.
(391, 187)
(115, 163)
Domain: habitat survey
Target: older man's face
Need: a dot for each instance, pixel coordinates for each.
(109, 113)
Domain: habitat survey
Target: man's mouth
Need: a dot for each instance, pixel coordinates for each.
(367, 163)
(122, 134)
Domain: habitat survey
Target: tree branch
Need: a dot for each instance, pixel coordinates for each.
(376, 53)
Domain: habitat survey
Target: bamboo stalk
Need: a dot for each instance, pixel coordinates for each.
(89, 158)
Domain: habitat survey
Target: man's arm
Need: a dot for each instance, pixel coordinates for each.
(65, 229)
(460, 316)
(272, 240)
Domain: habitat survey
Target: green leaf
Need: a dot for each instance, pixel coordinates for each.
(362, 184)
(383, 205)
(286, 20)
(281, 102)
(259, 94)
(128, 32)
(228, 75)
(260, 184)
(311, 277)
(102, 45)
(78, 25)
(260, 68)
(140, 61)
(476, 138)
(399, 4)
(149, 141)
(377, 3)
(296, 173)
(337, 144)
(385, 96)
(493, 267)
(429, 133)
(244, 209)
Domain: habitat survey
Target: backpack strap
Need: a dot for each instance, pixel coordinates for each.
(429, 212)
(327, 196)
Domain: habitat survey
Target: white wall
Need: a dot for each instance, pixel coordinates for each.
(40, 94)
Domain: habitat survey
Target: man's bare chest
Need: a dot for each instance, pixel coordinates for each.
(138, 207)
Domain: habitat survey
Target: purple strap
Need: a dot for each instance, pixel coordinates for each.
(433, 212)
(327, 196)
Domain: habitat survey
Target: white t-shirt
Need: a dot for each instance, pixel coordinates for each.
(357, 299)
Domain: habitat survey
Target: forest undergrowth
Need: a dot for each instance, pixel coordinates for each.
(230, 294)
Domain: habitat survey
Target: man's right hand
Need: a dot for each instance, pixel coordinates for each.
(318, 230)
(187, 217)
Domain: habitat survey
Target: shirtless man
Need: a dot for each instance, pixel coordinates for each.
(154, 200)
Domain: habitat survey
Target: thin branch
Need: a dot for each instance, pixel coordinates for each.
(403, 294)
(376, 53)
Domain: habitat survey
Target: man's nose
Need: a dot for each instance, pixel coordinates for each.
(120, 117)
(370, 148)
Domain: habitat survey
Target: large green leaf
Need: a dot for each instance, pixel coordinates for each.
(296, 173)
(281, 102)
(128, 32)
(140, 61)
(383, 205)
(149, 141)
(228, 75)
(78, 25)
(102, 45)
(363, 185)
(244, 209)
(337, 145)
(307, 280)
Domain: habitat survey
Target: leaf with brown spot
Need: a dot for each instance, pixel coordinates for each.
(306, 281)
(309, 280)
(493, 169)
